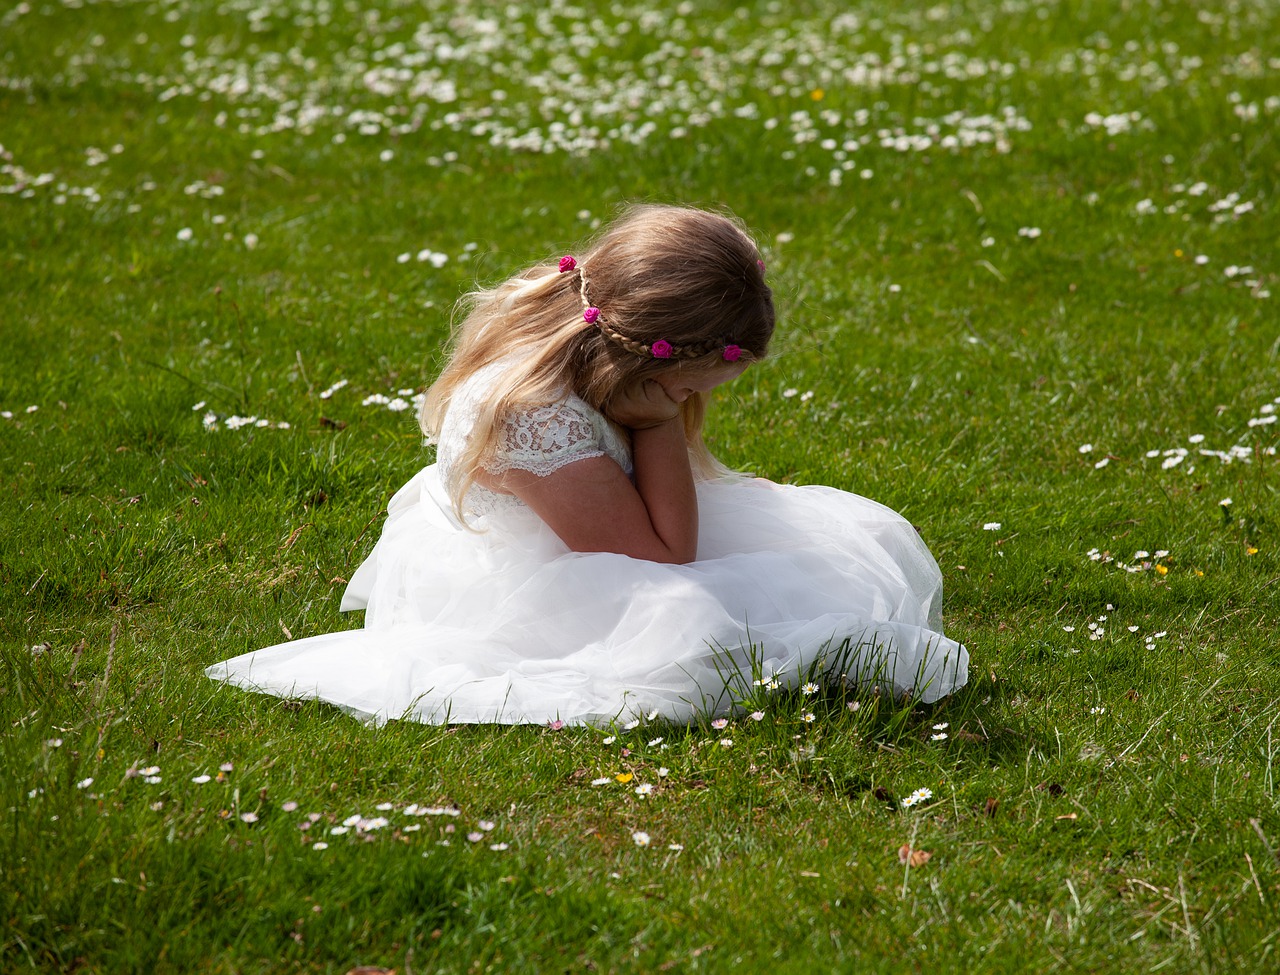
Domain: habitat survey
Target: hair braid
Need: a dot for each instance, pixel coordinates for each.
(686, 350)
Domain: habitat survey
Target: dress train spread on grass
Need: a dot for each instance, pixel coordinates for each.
(500, 622)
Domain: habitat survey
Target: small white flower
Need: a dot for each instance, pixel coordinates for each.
(640, 838)
(320, 846)
(654, 743)
(808, 717)
(1225, 502)
(809, 688)
(1098, 710)
(1069, 629)
(644, 789)
(942, 726)
(1102, 463)
(338, 830)
(726, 742)
(499, 847)
(1085, 448)
(663, 772)
(84, 783)
(630, 725)
(917, 797)
(988, 241)
(249, 817)
(289, 806)
(185, 234)
(250, 241)
(854, 705)
(991, 526)
(1202, 259)
(940, 736)
(675, 847)
(603, 780)
(610, 740)
(475, 837)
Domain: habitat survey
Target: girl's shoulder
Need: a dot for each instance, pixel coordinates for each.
(540, 436)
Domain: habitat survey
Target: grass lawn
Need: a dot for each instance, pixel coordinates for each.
(1024, 254)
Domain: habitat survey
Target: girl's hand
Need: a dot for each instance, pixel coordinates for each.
(641, 406)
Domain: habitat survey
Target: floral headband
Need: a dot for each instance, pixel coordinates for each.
(660, 349)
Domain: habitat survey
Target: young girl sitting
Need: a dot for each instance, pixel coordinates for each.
(576, 554)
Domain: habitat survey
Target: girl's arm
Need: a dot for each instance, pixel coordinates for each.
(594, 507)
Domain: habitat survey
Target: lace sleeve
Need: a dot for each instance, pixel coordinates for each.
(543, 439)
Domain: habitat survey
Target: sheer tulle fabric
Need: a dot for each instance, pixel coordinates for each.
(506, 625)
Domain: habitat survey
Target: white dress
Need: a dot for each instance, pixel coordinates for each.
(504, 624)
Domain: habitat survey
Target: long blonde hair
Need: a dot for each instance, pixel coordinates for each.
(686, 276)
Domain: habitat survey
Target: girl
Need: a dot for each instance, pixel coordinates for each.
(576, 554)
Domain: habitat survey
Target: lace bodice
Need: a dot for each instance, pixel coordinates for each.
(540, 439)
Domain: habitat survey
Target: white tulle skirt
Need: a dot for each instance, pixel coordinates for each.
(506, 625)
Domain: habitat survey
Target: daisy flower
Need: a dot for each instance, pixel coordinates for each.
(917, 797)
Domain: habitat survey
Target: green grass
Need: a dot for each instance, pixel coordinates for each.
(953, 378)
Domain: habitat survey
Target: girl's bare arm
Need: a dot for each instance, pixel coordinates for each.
(594, 507)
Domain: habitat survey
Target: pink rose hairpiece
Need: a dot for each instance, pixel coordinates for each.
(659, 348)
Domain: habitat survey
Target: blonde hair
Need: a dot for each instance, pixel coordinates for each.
(686, 276)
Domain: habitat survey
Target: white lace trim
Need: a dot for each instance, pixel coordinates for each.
(540, 439)
(544, 439)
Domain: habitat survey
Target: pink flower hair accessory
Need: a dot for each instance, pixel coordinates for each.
(661, 349)
(591, 314)
(732, 353)
(568, 263)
